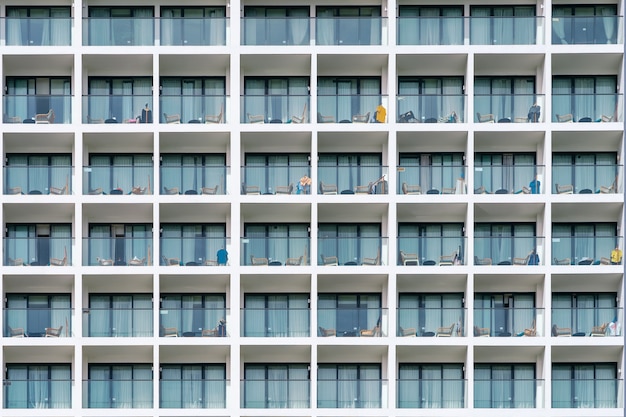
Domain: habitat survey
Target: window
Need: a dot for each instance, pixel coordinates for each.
(431, 386)
(192, 242)
(275, 242)
(120, 315)
(37, 173)
(38, 386)
(193, 171)
(504, 314)
(504, 97)
(502, 242)
(431, 240)
(349, 386)
(586, 385)
(120, 99)
(276, 25)
(193, 25)
(348, 171)
(37, 26)
(192, 98)
(276, 98)
(583, 243)
(29, 96)
(36, 244)
(121, 172)
(193, 386)
(431, 98)
(276, 386)
(276, 315)
(120, 26)
(190, 314)
(269, 171)
(348, 25)
(350, 242)
(427, 312)
(430, 25)
(121, 243)
(348, 314)
(504, 386)
(345, 97)
(587, 98)
(432, 171)
(35, 312)
(585, 171)
(582, 311)
(584, 24)
(502, 25)
(509, 171)
(120, 386)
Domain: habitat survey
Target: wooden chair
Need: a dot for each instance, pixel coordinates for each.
(59, 262)
(328, 189)
(217, 118)
(409, 258)
(361, 118)
(411, 189)
(327, 332)
(564, 189)
(329, 260)
(485, 118)
(172, 118)
(301, 119)
(258, 261)
(373, 261)
(210, 190)
(445, 331)
(53, 331)
(45, 118)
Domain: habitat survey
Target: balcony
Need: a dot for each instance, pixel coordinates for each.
(350, 30)
(118, 180)
(507, 30)
(431, 179)
(117, 251)
(603, 108)
(39, 31)
(275, 251)
(118, 31)
(352, 251)
(431, 108)
(274, 179)
(193, 393)
(194, 179)
(508, 322)
(117, 393)
(264, 31)
(346, 108)
(583, 250)
(38, 393)
(593, 322)
(509, 250)
(431, 393)
(437, 30)
(429, 322)
(117, 322)
(351, 393)
(430, 251)
(199, 109)
(193, 31)
(193, 322)
(509, 108)
(507, 393)
(508, 179)
(117, 108)
(38, 322)
(260, 109)
(38, 179)
(587, 179)
(38, 109)
(275, 393)
(353, 179)
(192, 251)
(353, 322)
(38, 251)
(275, 322)
(587, 393)
(590, 30)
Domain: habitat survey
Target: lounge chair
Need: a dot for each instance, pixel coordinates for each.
(59, 262)
(482, 261)
(258, 261)
(325, 119)
(171, 261)
(170, 331)
(294, 261)
(17, 332)
(284, 189)
(361, 118)
(532, 331)
(411, 189)
(251, 189)
(375, 332)
(94, 121)
(445, 331)
(409, 258)
(137, 262)
(95, 191)
(363, 189)
(58, 191)
(327, 332)
(14, 190)
(564, 189)
(446, 260)
(16, 262)
(605, 261)
(522, 261)
(606, 119)
(485, 118)
(172, 118)
(53, 331)
(45, 118)
(408, 332)
(215, 118)
(599, 331)
(372, 261)
(329, 260)
(210, 190)
(300, 119)
(328, 188)
(564, 261)
(561, 331)
(171, 191)
(482, 331)
(104, 262)
(565, 118)
(256, 118)
(139, 190)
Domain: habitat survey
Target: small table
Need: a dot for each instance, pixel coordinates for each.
(28, 121)
(194, 121)
(275, 263)
(351, 263)
(109, 121)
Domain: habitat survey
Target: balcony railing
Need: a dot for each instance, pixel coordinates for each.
(275, 322)
(429, 251)
(275, 393)
(275, 251)
(117, 322)
(199, 109)
(437, 30)
(38, 393)
(588, 393)
(118, 180)
(274, 179)
(118, 31)
(509, 250)
(117, 108)
(429, 322)
(507, 393)
(597, 30)
(194, 179)
(38, 108)
(364, 393)
(38, 251)
(193, 322)
(117, 251)
(192, 251)
(352, 322)
(193, 31)
(357, 179)
(509, 108)
(257, 31)
(117, 393)
(350, 30)
(37, 322)
(508, 322)
(38, 31)
(431, 108)
(583, 250)
(351, 251)
(594, 321)
(604, 108)
(193, 393)
(275, 109)
(346, 108)
(38, 179)
(508, 179)
(507, 30)
(587, 179)
(431, 179)
(431, 393)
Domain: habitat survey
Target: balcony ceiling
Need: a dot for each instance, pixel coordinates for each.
(55, 65)
(194, 354)
(585, 282)
(350, 353)
(39, 213)
(194, 65)
(345, 213)
(429, 142)
(275, 213)
(507, 282)
(350, 283)
(118, 143)
(370, 141)
(275, 283)
(587, 64)
(276, 142)
(508, 64)
(39, 283)
(38, 142)
(194, 213)
(351, 64)
(117, 213)
(274, 353)
(501, 354)
(586, 141)
(140, 283)
(194, 142)
(431, 354)
(197, 284)
(286, 64)
(428, 65)
(587, 212)
(118, 354)
(38, 354)
(432, 212)
(509, 141)
(112, 65)
(508, 212)
(586, 354)
(424, 282)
